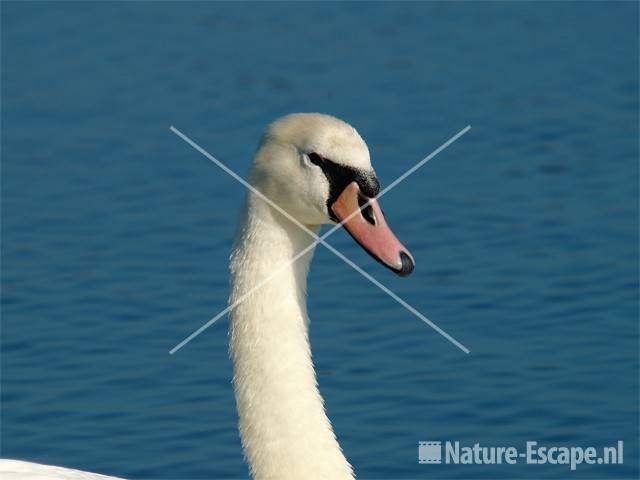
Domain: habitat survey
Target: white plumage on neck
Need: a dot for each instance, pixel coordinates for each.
(285, 431)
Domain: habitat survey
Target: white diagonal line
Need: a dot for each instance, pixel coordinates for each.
(319, 240)
(323, 237)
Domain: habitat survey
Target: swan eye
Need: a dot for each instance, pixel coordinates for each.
(315, 159)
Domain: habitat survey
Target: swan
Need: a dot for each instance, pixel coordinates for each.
(316, 168)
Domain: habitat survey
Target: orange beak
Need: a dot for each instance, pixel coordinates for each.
(368, 227)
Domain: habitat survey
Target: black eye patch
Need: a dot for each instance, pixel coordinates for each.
(315, 159)
(339, 176)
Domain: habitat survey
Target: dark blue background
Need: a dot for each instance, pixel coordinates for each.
(116, 234)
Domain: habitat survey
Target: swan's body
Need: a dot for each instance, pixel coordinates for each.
(19, 470)
(317, 169)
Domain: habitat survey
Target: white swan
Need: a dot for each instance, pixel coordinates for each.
(316, 168)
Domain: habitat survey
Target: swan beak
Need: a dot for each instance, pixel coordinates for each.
(368, 227)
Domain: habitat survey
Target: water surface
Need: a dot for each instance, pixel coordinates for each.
(116, 234)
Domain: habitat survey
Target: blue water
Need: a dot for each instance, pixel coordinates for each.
(116, 234)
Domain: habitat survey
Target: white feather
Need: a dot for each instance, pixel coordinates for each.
(19, 470)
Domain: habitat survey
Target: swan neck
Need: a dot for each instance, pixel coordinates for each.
(284, 429)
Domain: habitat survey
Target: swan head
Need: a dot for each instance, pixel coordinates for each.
(318, 169)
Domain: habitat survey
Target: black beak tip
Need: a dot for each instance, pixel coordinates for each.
(407, 265)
